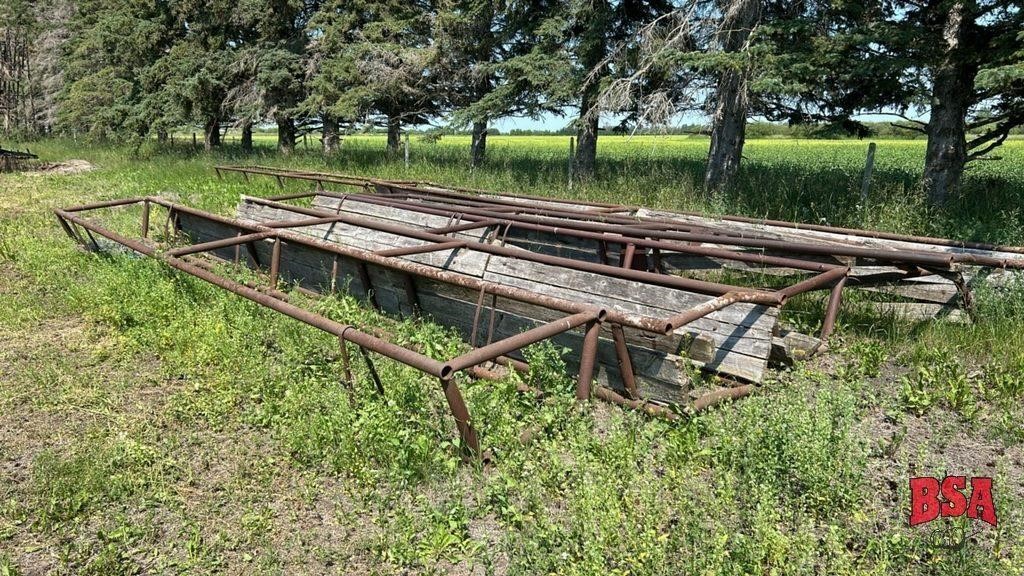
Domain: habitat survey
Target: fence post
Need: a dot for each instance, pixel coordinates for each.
(869, 166)
(406, 150)
(195, 143)
(572, 155)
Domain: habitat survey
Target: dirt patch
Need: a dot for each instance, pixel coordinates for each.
(62, 168)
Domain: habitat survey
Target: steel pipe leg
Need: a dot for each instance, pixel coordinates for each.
(373, 371)
(145, 218)
(346, 366)
(832, 310)
(275, 263)
(588, 358)
(470, 442)
(625, 362)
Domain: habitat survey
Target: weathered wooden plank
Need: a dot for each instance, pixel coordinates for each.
(392, 215)
(458, 260)
(816, 236)
(935, 293)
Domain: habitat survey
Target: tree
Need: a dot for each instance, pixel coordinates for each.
(110, 49)
(595, 27)
(273, 53)
(968, 63)
(499, 59)
(32, 39)
(377, 59)
(729, 118)
(18, 27)
(190, 82)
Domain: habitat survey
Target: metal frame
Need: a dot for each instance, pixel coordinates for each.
(578, 315)
(475, 200)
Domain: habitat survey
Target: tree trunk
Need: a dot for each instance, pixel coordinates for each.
(330, 136)
(592, 51)
(247, 136)
(585, 161)
(394, 134)
(729, 122)
(953, 84)
(728, 132)
(211, 134)
(478, 144)
(285, 135)
(161, 136)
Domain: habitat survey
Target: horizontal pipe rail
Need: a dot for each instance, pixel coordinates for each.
(420, 362)
(218, 244)
(421, 249)
(645, 323)
(451, 194)
(609, 236)
(676, 282)
(532, 336)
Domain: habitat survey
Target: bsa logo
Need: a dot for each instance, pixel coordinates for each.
(926, 505)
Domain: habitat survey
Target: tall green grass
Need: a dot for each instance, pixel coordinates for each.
(789, 481)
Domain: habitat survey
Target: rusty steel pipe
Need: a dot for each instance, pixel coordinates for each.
(717, 397)
(104, 204)
(875, 234)
(145, 218)
(217, 244)
(457, 406)
(629, 227)
(815, 282)
(624, 361)
(835, 297)
(513, 343)
(395, 352)
(711, 306)
(872, 234)
(275, 262)
(299, 223)
(464, 227)
(421, 249)
(588, 358)
(608, 395)
(581, 230)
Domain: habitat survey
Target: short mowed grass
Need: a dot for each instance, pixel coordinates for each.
(151, 423)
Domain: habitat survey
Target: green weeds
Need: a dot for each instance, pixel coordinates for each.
(185, 430)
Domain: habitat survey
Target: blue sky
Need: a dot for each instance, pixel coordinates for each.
(553, 122)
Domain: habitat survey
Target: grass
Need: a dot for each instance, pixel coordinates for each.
(150, 423)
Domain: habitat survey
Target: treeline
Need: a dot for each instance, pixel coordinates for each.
(115, 69)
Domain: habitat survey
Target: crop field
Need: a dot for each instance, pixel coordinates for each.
(151, 423)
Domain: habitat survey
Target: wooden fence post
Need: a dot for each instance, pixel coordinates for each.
(406, 150)
(869, 166)
(572, 155)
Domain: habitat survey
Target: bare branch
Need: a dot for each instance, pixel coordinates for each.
(908, 127)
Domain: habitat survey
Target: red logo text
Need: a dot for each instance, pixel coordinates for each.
(930, 498)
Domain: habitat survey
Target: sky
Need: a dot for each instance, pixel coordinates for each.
(552, 122)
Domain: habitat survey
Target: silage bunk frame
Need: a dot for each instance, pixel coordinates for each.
(578, 315)
(640, 242)
(478, 196)
(563, 217)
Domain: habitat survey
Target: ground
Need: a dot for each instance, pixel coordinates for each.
(152, 424)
